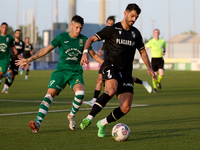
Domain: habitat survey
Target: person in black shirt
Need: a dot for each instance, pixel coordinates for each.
(121, 41)
(28, 51)
(13, 69)
(110, 21)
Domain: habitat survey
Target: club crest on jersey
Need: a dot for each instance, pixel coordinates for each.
(133, 34)
(7, 39)
(120, 32)
(80, 42)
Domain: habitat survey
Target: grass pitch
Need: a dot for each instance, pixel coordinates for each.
(170, 121)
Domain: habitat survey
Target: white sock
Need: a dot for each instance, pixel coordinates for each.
(94, 100)
(90, 117)
(104, 122)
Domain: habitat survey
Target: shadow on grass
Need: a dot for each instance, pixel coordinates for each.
(170, 121)
(154, 134)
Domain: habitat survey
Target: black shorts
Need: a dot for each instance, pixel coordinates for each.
(125, 80)
(100, 70)
(157, 63)
(13, 67)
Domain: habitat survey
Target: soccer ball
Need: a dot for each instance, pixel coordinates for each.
(121, 132)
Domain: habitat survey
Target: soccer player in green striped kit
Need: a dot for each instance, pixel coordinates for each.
(157, 46)
(68, 70)
(6, 42)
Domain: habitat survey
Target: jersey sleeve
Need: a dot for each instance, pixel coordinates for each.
(31, 47)
(56, 41)
(23, 47)
(11, 40)
(148, 44)
(139, 42)
(105, 33)
(164, 44)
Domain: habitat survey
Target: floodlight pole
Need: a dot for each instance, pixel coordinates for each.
(169, 28)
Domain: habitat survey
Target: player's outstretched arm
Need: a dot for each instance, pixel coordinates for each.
(37, 55)
(84, 59)
(96, 57)
(145, 59)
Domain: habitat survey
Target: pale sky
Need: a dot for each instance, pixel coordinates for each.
(182, 14)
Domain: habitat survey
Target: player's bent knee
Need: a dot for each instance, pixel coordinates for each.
(125, 110)
(79, 94)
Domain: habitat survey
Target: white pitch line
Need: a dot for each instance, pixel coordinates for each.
(66, 110)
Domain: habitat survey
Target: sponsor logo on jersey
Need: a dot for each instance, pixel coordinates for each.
(124, 42)
(3, 47)
(18, 47)
(81, 42)
(66, 41)
(128, 84)
(73, 54)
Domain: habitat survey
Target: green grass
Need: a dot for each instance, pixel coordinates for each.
(170, 122)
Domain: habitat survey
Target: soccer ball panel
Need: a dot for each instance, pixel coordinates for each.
(120, 132)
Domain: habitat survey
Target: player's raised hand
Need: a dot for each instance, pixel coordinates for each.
(84, 59)
(21, 62)
(150, 71)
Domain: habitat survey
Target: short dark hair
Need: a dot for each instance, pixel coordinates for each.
(78, 19)
(111, 18)
(17, 30)
(4, 23)
(133, 6)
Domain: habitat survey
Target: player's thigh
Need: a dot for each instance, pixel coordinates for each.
(79, 87)
(4, 64)
(76, 79)
(58, 81)
(111, 87)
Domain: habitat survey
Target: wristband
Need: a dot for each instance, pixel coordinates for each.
(85, 51)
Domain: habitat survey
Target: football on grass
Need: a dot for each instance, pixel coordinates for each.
(121, 132)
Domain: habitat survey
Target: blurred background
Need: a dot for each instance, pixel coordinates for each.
(42, 20)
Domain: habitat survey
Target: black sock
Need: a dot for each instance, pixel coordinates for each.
(100, 104)
(96, 93)
(115, 115)
(27, 71)
(9, 84)
(138, 81)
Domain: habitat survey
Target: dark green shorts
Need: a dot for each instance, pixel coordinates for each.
(59, 79)
(4, 64)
